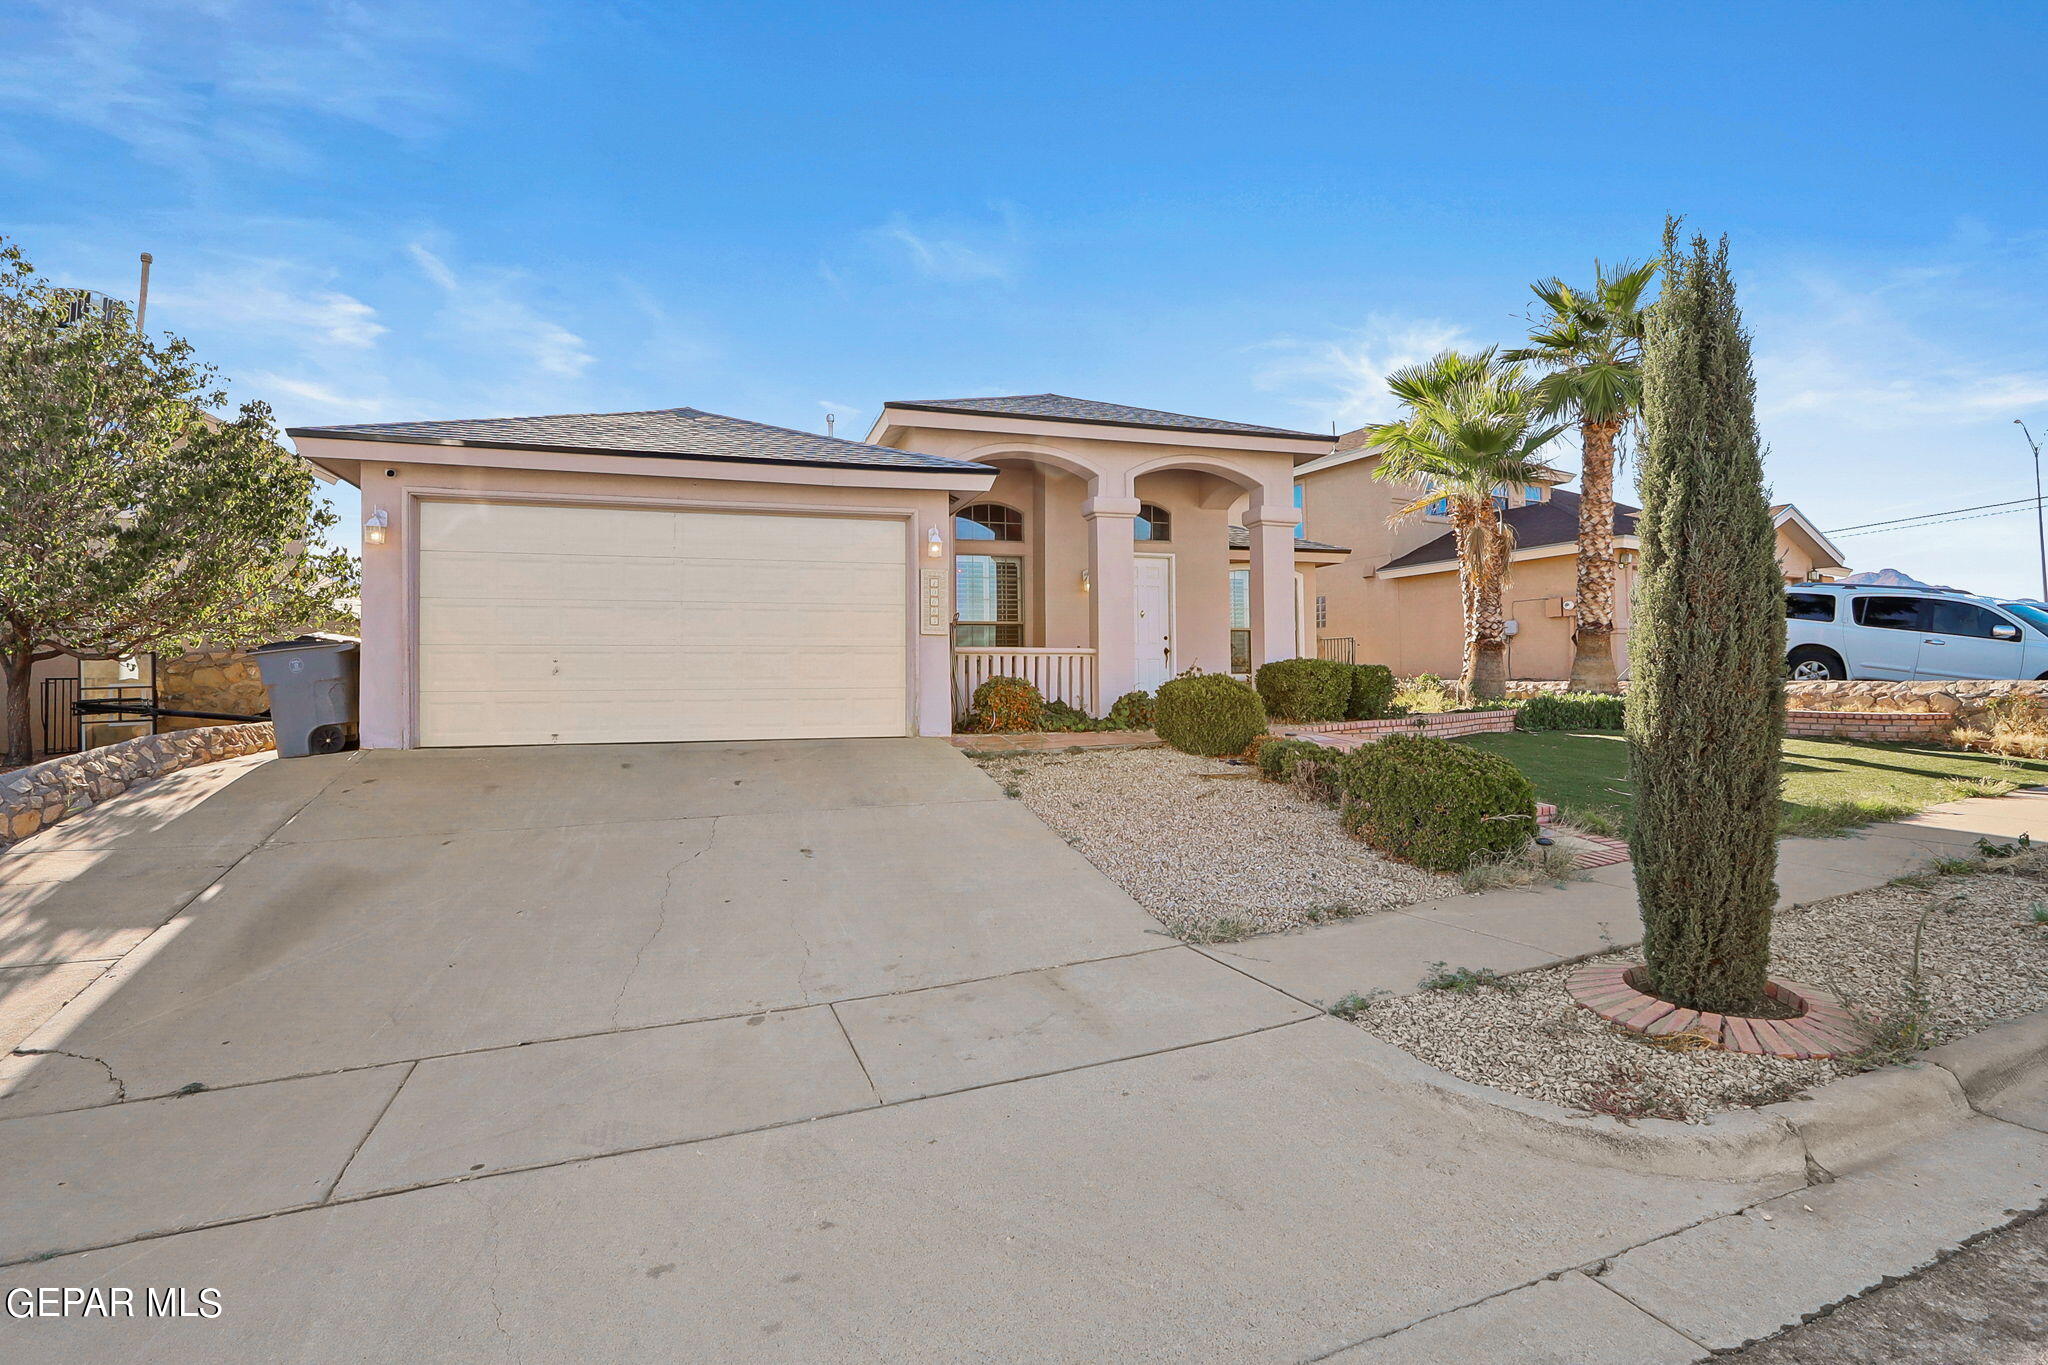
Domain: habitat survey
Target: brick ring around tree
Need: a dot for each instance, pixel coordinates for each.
(1822, 1026)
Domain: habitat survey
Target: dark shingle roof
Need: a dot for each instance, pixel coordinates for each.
(1554, 521)
(1241, 539)
(670, 433)
(1056, 407)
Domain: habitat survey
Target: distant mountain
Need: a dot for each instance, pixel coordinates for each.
(1897, 578)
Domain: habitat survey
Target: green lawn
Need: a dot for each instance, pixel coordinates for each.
(1830, 785)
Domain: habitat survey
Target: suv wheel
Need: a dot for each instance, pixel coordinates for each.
(1809, 663)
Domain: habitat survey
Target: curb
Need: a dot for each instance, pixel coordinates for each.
(1843, 1124)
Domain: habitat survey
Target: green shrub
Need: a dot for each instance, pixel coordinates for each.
(1278, 759)
(1209, 713)
(1307, 690)
(1132, 711)
(1060, 718)
(1005, 705)
(1307, 766)
(1372, 692)
(1435, 803)
(1570, 711)
(1423, 695)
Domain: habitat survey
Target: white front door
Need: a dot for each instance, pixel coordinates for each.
(1152, 599)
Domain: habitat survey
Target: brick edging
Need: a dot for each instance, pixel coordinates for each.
(1440, 724)
(1823, 1028)
(38, 796)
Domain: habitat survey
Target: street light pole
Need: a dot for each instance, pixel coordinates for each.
(2040, 534)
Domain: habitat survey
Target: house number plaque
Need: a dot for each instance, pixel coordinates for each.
(932, 594)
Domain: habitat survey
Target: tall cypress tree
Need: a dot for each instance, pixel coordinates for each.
(1706, 695)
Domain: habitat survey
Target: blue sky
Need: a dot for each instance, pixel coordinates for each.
(417, 209)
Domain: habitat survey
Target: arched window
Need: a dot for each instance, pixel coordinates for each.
(1153, 523)
(988, 521)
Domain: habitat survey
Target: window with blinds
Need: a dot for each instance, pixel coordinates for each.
(988, 602)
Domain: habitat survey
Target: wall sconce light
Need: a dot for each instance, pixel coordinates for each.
(1085, 581)
(934, 544)
(375, 527)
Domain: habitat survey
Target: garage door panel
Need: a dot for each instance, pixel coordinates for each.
(589, 624)
(654, 716)
(527, 669)
(768, 539)
(547, 625)
(477, 575)
(502, 527)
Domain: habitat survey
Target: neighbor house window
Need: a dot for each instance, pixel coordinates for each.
(988, 602)
(1240, 620)
(1533, 493)
(1153, 523)
(988, 521)
(1322, 612)
(1441, 507)
(1301, 506)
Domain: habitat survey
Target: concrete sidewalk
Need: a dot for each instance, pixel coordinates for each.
(821, 1051)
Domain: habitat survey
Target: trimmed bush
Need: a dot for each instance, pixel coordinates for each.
(1060, 718)
(1307, 690)
(1372, 692)
(1005, 705)
(1132, 711)
(1277, 758)
(1570, 711)
(1435, 803)
(1209, 713)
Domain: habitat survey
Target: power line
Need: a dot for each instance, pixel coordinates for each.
(1879, 528)
(1863, 525)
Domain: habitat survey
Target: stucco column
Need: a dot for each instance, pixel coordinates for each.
(1272, 604)
(1112, 613)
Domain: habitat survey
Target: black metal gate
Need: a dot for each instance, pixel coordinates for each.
(60, 716)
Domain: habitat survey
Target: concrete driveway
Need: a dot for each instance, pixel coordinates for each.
(805, 1050)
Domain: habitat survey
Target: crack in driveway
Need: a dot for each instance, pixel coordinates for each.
(668, 887)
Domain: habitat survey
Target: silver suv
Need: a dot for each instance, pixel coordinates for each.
(1834, 630)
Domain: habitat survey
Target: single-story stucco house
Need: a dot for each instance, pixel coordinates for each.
(1395, 599)
(680, 575)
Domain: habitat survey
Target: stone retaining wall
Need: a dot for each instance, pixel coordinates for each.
(1890, 727)
(1443, 725)
(40, 795)
(210, 678)
(1964, 702)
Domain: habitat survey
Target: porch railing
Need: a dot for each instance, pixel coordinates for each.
(1342, 648)
(1066, 675)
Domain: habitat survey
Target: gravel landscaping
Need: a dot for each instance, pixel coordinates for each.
(1984, 959)
(1207, 847)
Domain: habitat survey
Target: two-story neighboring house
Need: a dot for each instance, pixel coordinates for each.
(1395, 600)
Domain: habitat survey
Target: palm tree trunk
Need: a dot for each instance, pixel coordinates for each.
(1468, 581)
(1593, 668)
(1487, 650)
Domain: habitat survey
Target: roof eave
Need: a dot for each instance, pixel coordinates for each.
(549, 448)
(1266, 434)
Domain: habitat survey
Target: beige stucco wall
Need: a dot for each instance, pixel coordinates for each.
(1413, 623)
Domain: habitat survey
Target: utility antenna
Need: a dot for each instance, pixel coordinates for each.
(142, 294)
(831, 418)
(2040, 534)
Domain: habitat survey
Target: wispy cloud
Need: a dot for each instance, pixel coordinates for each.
(1343, 378)
(487, 310)
(275, 299)
(956, 251)
(1864, 356)
(209, 84)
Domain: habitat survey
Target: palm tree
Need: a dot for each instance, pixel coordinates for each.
(1472, 426)
(1592, 342)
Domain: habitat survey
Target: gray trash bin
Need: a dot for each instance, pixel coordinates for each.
(312, 682)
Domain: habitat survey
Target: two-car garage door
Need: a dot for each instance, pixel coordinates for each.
(588, 625)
